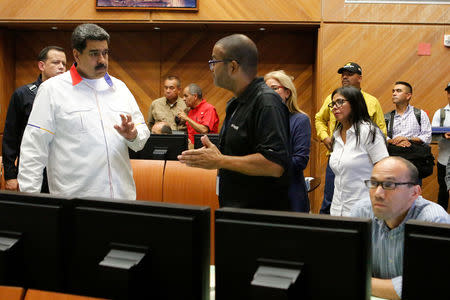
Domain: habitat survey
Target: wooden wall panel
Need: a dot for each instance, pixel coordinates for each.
(248, 10)
(7, 74)
(339, 11)
(62, 11)
(387, 53)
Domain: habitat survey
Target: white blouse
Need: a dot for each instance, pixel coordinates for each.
(352, 163)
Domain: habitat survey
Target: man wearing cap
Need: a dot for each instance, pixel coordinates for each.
(351, 75)
(441, 118)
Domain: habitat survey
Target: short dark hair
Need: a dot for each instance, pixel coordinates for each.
(166, 129)
(242, 49)
(173, 77)
(85, 32)
(405, 84)
(194, 89)
(43, 55)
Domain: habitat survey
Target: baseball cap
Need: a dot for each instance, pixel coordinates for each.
(351, 67)
(448, 87)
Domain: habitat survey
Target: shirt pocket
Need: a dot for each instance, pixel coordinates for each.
(116, 109)
(77, 119)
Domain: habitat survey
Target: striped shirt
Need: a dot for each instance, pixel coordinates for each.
(388, 244)
(406, 125)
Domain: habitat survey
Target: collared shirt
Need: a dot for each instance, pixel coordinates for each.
(444, 144)
(19, 110)
(204, 114)
(256, 122)
(352, 163)
(406, 125)
(326, 122)
(71, 131)
(388, 244)
(162, 111)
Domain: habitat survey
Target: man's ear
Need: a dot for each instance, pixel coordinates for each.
(234, 65)
(76, 55)
(41, 65)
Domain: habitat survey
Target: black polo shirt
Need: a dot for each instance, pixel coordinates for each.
(19, 110)
(256, 122)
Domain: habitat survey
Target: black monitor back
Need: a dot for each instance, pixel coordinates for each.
(174, 238)
(335, 253)
(426, 260)
(213, 137)
(162, 147)
(36, 259)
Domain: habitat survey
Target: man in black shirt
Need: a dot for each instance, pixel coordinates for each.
(51, 62)
(253, 153)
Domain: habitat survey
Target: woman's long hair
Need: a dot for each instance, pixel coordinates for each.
(287, 82)
(359, 112)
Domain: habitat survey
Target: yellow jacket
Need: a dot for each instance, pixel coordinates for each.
(325, 121)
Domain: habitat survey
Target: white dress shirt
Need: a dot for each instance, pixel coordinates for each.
(444, 144)
(71, 132)
(352, 163)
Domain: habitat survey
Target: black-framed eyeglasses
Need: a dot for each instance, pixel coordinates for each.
(212, 62)
(338, 103)
(386, 185)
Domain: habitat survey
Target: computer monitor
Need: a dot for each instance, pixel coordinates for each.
(139, 250)
(284, 255)
(426, 262)
(32, 241)
(213, 137)
(163, 147)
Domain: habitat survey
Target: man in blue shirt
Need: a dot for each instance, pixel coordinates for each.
(394, 199)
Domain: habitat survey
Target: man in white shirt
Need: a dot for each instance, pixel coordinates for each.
(441, 118)
(81, 126)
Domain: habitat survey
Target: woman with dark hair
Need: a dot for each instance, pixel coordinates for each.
(357, 145)
(300, 130)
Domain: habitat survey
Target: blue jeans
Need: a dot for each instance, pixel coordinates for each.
(328, 190)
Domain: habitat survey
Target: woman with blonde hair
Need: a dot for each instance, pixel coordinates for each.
(300, 129)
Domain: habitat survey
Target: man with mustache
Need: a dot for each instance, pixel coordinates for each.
(395, 197)
(351, 75)
(81, 126)
(51, 62)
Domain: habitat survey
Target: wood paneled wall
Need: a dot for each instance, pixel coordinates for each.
(209, 10)
(339, 11)
(7, 73)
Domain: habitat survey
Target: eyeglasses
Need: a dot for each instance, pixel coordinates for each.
(276, 87)
(97, 53)
(386, 185)
(212, 62)
(338, 103)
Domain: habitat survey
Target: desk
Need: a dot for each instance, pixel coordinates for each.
(212, 286)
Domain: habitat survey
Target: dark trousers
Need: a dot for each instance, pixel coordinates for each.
(328, 190)
(443, 192)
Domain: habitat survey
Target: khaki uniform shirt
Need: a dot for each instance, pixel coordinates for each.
(161, 110)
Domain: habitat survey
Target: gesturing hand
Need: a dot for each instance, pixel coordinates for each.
(207, 157)
(127, 128)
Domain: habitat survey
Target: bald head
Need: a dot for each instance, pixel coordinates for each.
(242, 49)
(409, 170)
(161, 128)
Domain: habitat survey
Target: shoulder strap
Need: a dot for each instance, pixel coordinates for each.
(391, 123)
(442, 117)
(33, 88)
(418, 114)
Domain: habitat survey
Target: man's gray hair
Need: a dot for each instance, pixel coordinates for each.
(85, 32)
(194, 89)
